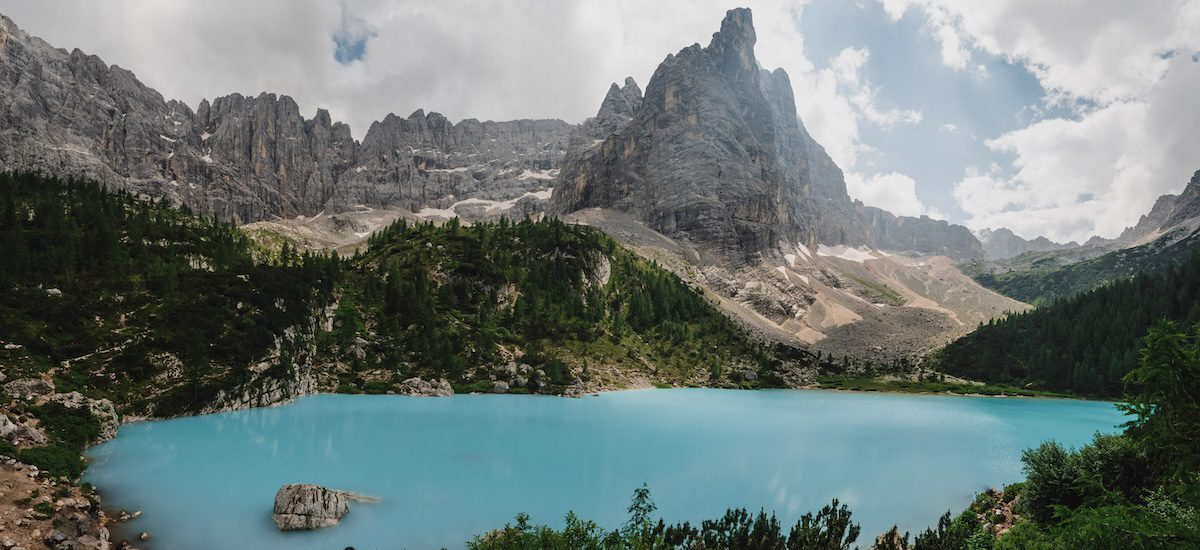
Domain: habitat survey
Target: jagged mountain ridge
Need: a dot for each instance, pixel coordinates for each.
(246, 159)
(716, 155)
(1169, 212)
(1162, 239)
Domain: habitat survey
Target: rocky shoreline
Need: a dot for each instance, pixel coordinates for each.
(38, 511)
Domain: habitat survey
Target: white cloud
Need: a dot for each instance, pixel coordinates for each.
(1100, 50)
(1126, 68)
(1096, 173)
(948, 128)
(894, 192)
(847, 68)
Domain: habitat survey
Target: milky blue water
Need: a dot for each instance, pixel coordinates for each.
(449, 468)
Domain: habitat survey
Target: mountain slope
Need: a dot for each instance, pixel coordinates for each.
(1083, 344)
(842, 301)
(712, 155)
(1162, 239)
(712, 174)
(715, 155)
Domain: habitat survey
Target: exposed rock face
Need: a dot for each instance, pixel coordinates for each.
(715, 155)
(301, 506)
(1169, 211)
(38, 391)
(922, 235)
(1000, 244)
(20, 433)
(699, 159)
(265, 391)
(434, 388)
(25, 389)
(99, 408)
(1187, 205)
(246, 159)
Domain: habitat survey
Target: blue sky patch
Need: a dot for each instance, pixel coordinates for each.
(350, 40)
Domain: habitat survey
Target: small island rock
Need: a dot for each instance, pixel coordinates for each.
(301, 506)
(304, 506)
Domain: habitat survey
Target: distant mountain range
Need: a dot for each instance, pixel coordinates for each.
(1000, 244)
(1164, 238)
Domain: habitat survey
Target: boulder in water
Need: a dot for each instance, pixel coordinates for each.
(301, 506)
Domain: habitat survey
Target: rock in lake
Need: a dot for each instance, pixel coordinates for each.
(301, 506)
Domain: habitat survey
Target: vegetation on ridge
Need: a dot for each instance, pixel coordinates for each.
(441, 301)
(1083, 345)
(1039, 279)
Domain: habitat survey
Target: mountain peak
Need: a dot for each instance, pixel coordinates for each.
(734, 43)
(619, 106)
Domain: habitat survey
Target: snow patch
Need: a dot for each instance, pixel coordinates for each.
(438, 212)
(450, 170)
(489, 205)
(204, 136)
(165, 138)
(537, 175)
(859, 255)
(207, 158)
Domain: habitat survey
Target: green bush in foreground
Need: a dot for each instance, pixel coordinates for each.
(1136, 490)
(830, 528)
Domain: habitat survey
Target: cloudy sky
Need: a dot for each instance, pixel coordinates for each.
(1064, 118)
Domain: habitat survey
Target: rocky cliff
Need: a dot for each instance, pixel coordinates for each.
(1169, 211)
(919, 236)
(715, 155)
(250, 158)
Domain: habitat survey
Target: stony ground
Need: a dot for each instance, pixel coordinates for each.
(38, 512)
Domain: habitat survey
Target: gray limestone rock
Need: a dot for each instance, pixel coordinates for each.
(29, 388)
(715, 156)
(427, 388)
(302, 506)
(255, 158)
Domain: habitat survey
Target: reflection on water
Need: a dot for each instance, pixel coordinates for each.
(450, 468)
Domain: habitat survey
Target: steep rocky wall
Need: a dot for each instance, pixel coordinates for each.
(245, 158)
(715, 156)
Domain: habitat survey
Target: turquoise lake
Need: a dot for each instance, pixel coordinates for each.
(449, 468)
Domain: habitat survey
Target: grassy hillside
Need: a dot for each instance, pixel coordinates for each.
(1040, 278)
(1084, 344)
